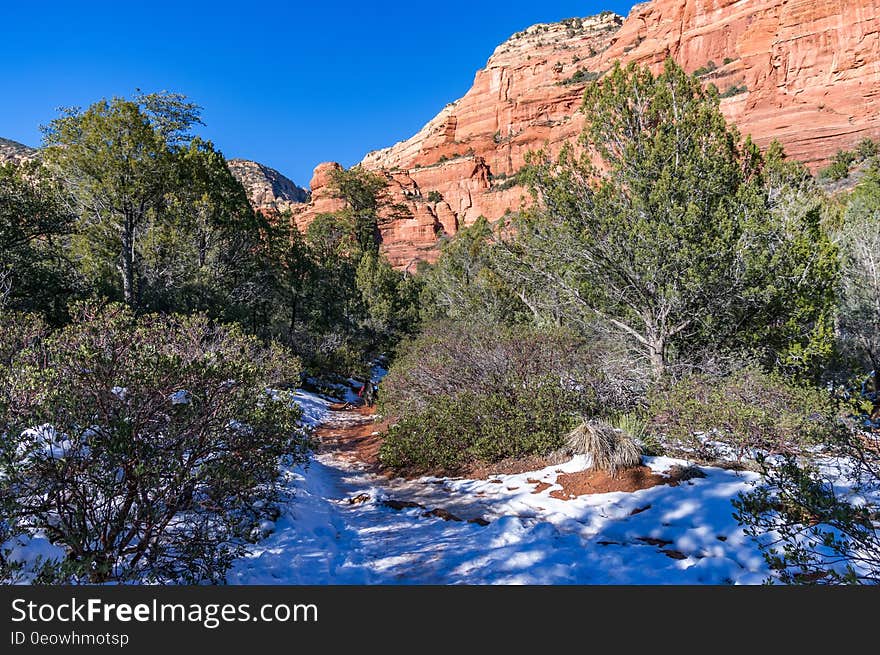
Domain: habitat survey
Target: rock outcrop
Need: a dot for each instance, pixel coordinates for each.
(805, 72)
(13, 151)
(267, 189)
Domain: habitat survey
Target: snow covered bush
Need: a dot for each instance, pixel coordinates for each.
(815, 525)
(146, 447)
(744, 411)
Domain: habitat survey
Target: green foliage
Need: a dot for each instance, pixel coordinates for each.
(728, 60)
(363, 193)
(503, 182)
(390, 297)
(455, 432)
(845, 159)
(820, 535)
(747, 410)
(677, 244)
(434, 196)
(335, 304)
(705, 70)
(145, 447)
(35, 274)
(859, 310)
(464, 283)
(734, 90)
(466, 393)
(581, 76)
(161, 222)
(867, 149)
(835, 171)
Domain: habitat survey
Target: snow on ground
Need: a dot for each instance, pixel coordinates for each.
(663, 535)
(315, 407)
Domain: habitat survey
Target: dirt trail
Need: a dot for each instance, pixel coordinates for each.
(343, 522)
(350, 438)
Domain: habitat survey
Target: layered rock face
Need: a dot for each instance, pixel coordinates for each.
(267, 189)
(805, 72)
(809, 69)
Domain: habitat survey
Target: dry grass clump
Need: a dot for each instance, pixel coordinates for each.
(611, 449)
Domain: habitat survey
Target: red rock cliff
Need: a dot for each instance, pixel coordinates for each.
(805, 72)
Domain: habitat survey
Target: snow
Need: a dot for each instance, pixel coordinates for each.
(180, 397)
(663, 535)
(315, 407)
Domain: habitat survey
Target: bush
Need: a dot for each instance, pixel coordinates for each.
(455, 432)
(581, 76)
(435, 196)
(747, 410)
(835, 172)
(705, 70)
(866, 149)
(148, 449)
(734, 90)
(816, 533)
(472, 393)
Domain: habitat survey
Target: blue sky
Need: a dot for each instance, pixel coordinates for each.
(288, 84)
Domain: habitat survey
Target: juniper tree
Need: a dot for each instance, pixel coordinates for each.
(35, 275)
(859, 319)
(660, 229)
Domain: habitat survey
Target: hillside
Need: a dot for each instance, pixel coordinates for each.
(15, 151)
(267, 188)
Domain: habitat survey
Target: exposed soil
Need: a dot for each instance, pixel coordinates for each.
(593, 481)
(359, 436)
(514, 466)
(358, 439)
(539, 485)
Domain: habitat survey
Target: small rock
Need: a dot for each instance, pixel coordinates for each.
(441, 513)
(357, 500)
(401, 504)
(479, 521)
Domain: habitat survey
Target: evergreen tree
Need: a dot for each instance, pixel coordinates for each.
(116, 159)
(35, 276)
(860, 283)
(669, 238)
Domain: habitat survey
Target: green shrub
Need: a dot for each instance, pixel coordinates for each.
(734, 90)
(450, 358)
(728, 60)
(472, 393)
(147, 448)
(866, 149)
(811, 531)
(581, 76)
(705, 70)
(453, 432)
(747, 410)
(835, 172)
(434, 196)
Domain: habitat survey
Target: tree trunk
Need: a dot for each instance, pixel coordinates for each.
(128, 261)
(875, 412)
(657, 354)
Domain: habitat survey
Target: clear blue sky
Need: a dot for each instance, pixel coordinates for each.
(288, 84)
